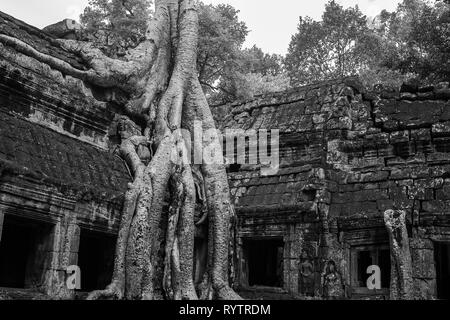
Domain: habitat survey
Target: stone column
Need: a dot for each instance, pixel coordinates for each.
(401, 265)
(292, 251)
(423, 268)
(242, 271)
(64, 254)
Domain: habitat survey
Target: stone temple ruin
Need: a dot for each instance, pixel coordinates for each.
(347, 155)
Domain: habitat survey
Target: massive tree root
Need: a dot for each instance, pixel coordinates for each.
(161, 80)
(171, 103)
(401, 265)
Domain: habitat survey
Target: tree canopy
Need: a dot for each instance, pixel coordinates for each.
(411, 42)
(416, 39)
(330, 48)
(116, 25)
(227, 72)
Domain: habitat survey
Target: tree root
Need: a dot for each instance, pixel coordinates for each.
(114, 291)
(160, 77)
(401, 265)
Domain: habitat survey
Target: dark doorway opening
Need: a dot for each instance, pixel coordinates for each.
(442, 260)
(384, 262)
(24, 249)
(372, 255)
(364, 260)
(265, 262)
(96, 259)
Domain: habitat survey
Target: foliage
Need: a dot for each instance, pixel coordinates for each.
(227, 72)
(221, 38)
(258, 84)
(332, 48)
(411, 42)
(116, 25)
(253, 72)
(416, 39)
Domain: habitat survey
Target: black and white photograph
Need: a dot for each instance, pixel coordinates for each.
(241, 152)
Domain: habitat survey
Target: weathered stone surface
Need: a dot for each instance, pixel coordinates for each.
(402, 164)
(33, 36)
(29, 149)
(347, 155)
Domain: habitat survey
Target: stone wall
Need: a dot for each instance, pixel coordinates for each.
(399, 159)
(57, 165)
(346, 156)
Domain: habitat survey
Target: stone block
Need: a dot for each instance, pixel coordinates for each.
(408, 96)
(389, 94)
(436, 206)
(425, 289)
(374, 176)
(360, 208)
(384, 205)
(421, 135)
(407, 114)
(421, 243)
(370, 195)
(401, 173)
(423, 263)
(74, 235)
(443, 94)
(420, 172)
(418, 193)
(370, 96)
(442, 194)
(73, 258)
(335, 210)
(426, 95)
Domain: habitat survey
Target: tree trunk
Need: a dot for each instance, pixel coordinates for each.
(161, 78)
(171, 98)
(401, 266)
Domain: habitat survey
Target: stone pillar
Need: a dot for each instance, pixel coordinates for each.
(292, 251)
(242, 270)
(423, 268)
(286, 263)
(401, 266)
(64, 254)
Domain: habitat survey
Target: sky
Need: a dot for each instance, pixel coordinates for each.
(271, 23)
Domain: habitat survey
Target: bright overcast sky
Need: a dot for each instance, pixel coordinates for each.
(272, 23)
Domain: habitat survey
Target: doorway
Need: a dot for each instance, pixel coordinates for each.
(96, 259)
(265, 262)
(442, 260)
(365, 256)
(24, 252)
